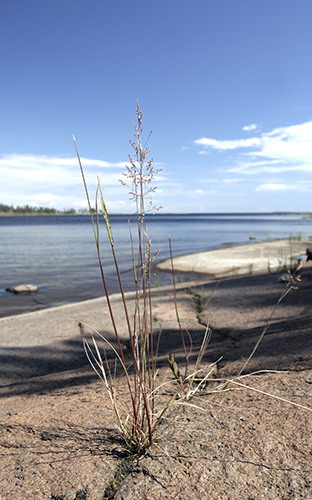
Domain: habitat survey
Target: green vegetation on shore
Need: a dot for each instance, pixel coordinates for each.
(28, 210)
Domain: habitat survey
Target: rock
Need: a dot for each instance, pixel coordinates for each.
(23, 289)
(309, 253)
(284, 278)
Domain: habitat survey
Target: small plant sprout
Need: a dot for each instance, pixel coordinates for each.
(199, 300)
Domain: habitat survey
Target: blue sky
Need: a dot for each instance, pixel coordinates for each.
(225, 86)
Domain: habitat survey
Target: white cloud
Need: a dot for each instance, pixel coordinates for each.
(52, 181)
(255, 167)
(180, 192)
(249, 128)
(272, 187)
(117, 205)
(249, 168)
(288, 144)
(232, 181)
(38, 162)
(226, 145)
(55, 181)
(48, 178)
(46, 173)
(219, 181)
(299, 187)
(194, 193)
(284, 149)
(42, 199)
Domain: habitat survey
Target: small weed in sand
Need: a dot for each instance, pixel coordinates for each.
(199, 300)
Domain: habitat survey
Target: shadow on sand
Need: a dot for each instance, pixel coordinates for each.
(287, 344)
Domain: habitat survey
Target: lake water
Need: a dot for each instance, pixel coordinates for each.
(58, 254)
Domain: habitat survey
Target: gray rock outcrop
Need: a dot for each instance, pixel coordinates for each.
(23, 289)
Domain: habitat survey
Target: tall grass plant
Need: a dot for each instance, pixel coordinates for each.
(138, 416)
(141, 406)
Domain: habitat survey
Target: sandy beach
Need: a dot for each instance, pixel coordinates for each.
(57, 427)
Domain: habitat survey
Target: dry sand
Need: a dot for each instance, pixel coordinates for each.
(58, 436)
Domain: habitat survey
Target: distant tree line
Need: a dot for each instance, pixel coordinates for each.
(27, 209)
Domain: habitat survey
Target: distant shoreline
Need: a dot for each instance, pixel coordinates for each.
(36, 214)
(307, 215)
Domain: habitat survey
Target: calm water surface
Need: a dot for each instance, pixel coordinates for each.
(57, 253)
